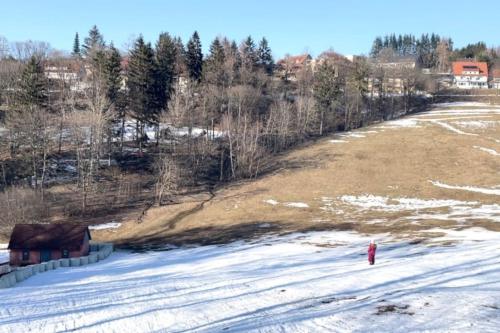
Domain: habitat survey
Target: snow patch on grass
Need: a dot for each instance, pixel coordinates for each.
(451, 128)
(484, 190)
(489, 151)
(111, 225)
(296, 204)
(271, 202)
(477, 124)
(337, 141)
(398, 204)
(444, 210)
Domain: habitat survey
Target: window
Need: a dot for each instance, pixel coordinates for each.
(65, 253)
(26, 255)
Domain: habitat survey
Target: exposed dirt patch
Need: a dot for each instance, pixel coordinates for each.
(393, 308)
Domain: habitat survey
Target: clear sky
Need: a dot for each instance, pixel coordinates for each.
(291, 26)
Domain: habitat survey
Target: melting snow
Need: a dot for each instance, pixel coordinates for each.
(297, 204)
(397, 204)
(111, 225)
(338, 141)
(487, 150)
(271, 202)
(4, 253)
(300, 283)
(484, 190)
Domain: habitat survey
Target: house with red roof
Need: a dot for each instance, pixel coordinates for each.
(470, 74)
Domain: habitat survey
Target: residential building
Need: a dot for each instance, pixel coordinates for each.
(470, 75)
(288, 67)
(35, 243)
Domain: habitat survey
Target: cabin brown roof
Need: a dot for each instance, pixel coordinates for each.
(48, 236)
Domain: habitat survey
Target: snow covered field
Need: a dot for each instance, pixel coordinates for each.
(4, 254)
(315, 282)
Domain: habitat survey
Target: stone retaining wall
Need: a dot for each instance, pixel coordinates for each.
(97, 252)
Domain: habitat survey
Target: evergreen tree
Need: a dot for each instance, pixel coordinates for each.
(214, 65)
(166, 57)
(180, 57)
(249, 53)
(112, 71)
(142, 84)
(33, 85)
(327, 92)
(377, 46)
(76, 46)
(265, 57)
(237, 55)
(194, 57)
(94, 41)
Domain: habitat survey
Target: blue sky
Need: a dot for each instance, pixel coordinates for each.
(291, 26)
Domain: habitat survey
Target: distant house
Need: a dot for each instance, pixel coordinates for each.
(288, 67)
(35, 243)
(470, 75)
(389, 73)
(495, 78)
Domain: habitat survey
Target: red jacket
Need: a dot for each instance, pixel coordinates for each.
(371, 250)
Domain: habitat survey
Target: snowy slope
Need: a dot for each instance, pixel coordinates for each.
(312, 282)
(4, 253)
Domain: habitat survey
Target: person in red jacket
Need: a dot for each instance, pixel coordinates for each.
(371, 252)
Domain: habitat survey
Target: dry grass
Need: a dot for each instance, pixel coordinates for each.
(394, 163)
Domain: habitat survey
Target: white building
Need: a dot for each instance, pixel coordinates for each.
(470, 75)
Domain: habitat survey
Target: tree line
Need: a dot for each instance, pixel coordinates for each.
(197, 120)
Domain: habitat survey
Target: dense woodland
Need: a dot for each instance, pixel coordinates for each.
(145, 125)
(432, 51)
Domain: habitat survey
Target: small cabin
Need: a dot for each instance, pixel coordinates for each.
(35, 243)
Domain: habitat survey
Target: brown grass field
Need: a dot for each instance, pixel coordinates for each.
(378, 179)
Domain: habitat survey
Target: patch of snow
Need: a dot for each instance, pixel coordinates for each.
(4, 253)
(373, 202)
(446, 210)
(297, 204)
(484, 190)
(352, 135)
(451, 128)
(461, 104)
(295, 283)
(477, 124)
(405, 123)
(337, 141)
(111, 225)
(489, 151)
(272, 202)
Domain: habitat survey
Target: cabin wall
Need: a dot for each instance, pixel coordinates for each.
(16, 258)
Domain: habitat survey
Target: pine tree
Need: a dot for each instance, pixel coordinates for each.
(94, 41)
(265, 57)
(214, 71)
(194, 57)
(76, 46)
(142, 84)
(166, 58)
(33, 85)
(249, 53)
(180, 57)
(377, 46)
(327, 91)
(236, 53)
(112, 71)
